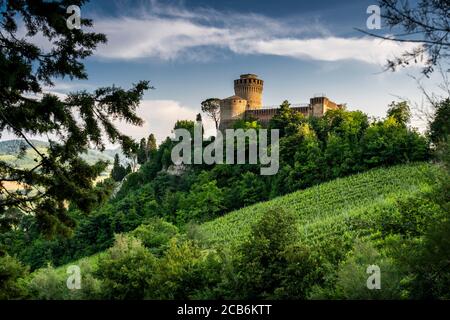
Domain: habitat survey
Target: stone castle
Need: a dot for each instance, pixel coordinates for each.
(246, 103)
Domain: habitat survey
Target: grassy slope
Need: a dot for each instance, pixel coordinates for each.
(342, 207)
(346, 206)
(10, 153)
(24, 162)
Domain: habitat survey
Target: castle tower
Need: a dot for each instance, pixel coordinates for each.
(250, 88)
(320, 104)
(231, 109)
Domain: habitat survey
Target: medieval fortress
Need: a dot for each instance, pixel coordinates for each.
(246, 103)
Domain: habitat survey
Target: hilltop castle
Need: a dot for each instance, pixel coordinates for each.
(246, 103)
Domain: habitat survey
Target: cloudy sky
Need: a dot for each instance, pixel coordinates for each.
(193, 49)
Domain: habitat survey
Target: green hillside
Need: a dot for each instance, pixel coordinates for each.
(16, 145)
(350, 206)
(345, 205)
(333, 219)
(21, 155)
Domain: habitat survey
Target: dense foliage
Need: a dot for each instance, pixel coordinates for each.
(312, 150)
(308, 247)
(77, 122)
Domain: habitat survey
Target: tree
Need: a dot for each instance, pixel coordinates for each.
(271, 263)
(118, 172)
(184, 272)
(142, 152)
(211, 107)
(203, 202)
(244, 124)
(351, 280)
(155, 234)
(189, 125)
(424, 22)
(400, 112)
(11, 271)
(249, 189)
(428, 260)
(439, 130)
(152, 148)
(60, 176)
(199, 121)
(388, 143)
(126, 269)
(286, 119)
(147, 149)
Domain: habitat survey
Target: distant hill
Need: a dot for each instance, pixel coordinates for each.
(18, 153)
(11, 147)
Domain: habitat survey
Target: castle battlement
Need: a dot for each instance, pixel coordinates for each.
(247, 103)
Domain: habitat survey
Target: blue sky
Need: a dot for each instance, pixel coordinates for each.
(192, 50)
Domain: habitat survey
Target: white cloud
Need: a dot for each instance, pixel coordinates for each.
(364, 49)
(65, 87)
(168, 32)
(159, 118)
(130, 38)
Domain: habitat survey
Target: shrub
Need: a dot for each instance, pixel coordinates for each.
(203, 202)
(155, 234)
(51, 284)
(185, 272)
(352, 275)
(427, 261)
(271, 263)
(125, 269)
(410, 216)
(47, 285)
(12, 273)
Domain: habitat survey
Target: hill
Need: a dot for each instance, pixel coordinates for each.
(349, 205)
(10, 147)
(346, 207)
(10, 152)
(331, 217)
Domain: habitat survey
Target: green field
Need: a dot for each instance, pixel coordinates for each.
(346, 206)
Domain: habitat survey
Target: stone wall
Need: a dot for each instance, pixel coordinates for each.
(250, 88)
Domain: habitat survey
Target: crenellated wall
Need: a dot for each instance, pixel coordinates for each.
(250, 88)
(231, 109)
(247, 103)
